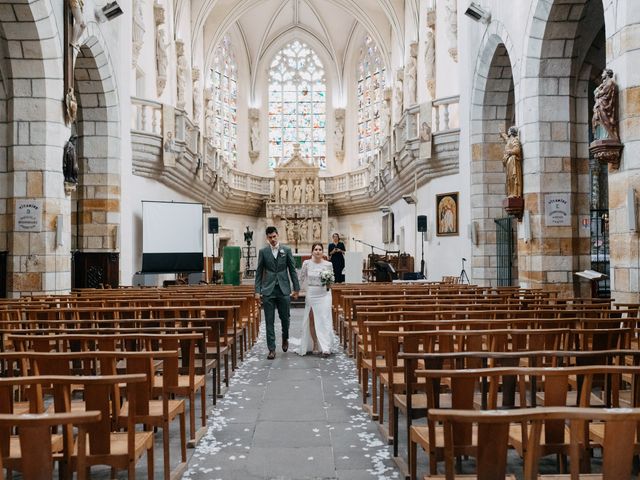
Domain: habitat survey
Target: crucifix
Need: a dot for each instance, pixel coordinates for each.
(74, 26)
(293, 227)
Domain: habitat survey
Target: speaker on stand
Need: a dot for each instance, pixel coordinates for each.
(213, 229)
(422, 228)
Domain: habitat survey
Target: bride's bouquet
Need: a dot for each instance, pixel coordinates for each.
(327, 278)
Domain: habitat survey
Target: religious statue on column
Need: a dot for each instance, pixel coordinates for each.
(512, 161)
(606, 146)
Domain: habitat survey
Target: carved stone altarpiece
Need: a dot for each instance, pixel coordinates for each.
(297, 207)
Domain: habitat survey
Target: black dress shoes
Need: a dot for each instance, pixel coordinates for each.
(285, 345)
(272, 355)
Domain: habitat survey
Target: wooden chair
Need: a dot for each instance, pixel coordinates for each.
(492, 440)
(35, 430)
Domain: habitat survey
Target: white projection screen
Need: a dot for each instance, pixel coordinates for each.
(172, 237)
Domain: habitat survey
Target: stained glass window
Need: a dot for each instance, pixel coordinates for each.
(370, 97)
(297, 105)
(224, 80)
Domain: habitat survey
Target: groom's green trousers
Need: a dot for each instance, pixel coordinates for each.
(283, 303)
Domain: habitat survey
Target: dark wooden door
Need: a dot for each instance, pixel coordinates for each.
(96, 269)
(505, 250)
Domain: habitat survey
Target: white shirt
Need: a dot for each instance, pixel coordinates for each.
(274, 250)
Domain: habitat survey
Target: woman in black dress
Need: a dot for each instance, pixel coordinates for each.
(336, 255)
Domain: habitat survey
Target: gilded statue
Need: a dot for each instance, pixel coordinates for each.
(512, 161)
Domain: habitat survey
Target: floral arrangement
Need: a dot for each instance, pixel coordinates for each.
(327, 278)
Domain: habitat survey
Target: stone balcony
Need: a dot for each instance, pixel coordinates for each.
(203, 174)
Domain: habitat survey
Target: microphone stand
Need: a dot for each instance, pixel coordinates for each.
(369, 245)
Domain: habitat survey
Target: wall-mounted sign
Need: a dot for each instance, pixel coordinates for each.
(28, 215)
(557, 209)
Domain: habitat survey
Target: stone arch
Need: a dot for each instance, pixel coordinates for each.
(33, 164)
(96, 203)
(555, 141)
(493, 110)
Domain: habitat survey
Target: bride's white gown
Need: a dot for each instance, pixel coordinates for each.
(318, 299)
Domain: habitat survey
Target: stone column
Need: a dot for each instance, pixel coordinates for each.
(623, 56)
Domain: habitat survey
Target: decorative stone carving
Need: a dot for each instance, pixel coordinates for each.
(398, 95)
(309, 192)
(385, 113)
(430, 53)
(197, 95)
(299, 204)
(606, 146)
(254, 133)
(451, 7)
(410, 75)
(284, 192)
(182, 73)
(210, 114)
(317, 231)
(162, 45)
(338, 133)
(137, 31)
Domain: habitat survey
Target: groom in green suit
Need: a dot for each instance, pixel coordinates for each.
(275, 266)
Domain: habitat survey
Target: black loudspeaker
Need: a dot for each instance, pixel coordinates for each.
(213, 224)
(422, 223)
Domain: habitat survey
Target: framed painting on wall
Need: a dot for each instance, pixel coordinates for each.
(447, 214)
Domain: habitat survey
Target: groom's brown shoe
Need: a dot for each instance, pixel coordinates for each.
(272, 355)
(285, 345)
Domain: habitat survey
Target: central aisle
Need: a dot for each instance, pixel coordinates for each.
(292, 418)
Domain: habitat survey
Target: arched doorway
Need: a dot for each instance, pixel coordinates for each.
(493, 111)
(96, 202)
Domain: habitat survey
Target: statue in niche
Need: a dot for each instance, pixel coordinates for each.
(605, 118)
(410, 75)
(317, 231)
(385, 113)
(137, 31)
(209, 116)
(255, 136)
(182, 72)
(430, 62)
(197, 95)
(310, 191)
(451, 7)
(297, 192)
(338, 135)
(162, 59)
(284, 190)
(303, 230)
(512, 161)
(70, 161)
(398, 95)
(290, 229)
(79, 23)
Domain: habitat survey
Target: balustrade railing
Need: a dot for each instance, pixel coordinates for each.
(146, 116)
(445, 114)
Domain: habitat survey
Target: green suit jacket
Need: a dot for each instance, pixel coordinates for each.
(272, 270)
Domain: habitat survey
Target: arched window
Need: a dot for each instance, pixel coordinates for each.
(297, 105)
(224, 80)
(370, 97)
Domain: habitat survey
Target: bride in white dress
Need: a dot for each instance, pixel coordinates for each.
(317, 326)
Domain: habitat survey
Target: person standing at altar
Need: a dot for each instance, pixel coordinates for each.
(273, 288)
(336, 255)
(317, 325)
